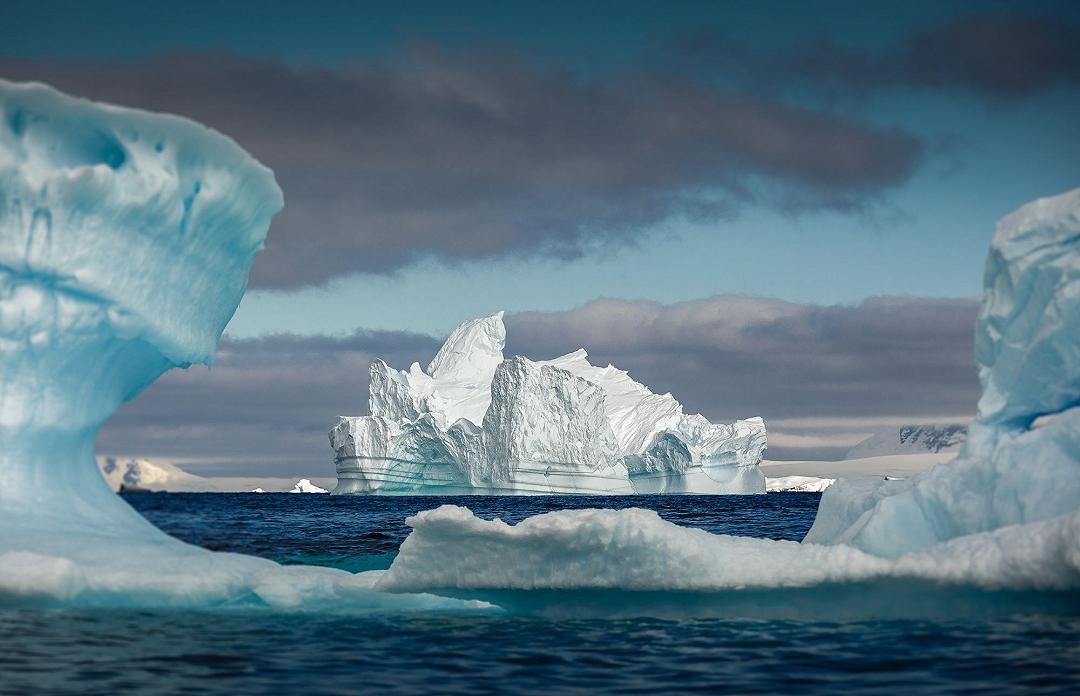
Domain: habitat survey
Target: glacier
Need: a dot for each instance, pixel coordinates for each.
(476, 422)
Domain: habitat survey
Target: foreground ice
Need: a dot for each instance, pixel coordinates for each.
(125, 243)
(474, 422)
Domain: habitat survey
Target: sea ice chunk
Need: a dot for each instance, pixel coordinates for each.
(306, 486)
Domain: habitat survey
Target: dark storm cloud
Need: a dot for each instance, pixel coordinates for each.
(998, 56)
(730, 357)
(268, 403)
(483, 156)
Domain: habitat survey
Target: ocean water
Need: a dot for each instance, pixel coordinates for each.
(260, 651)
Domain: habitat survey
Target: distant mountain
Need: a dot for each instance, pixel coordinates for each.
(797, 484)
(144, 474)
(133, 475)
(910, 439)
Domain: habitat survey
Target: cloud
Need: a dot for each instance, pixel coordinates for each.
(996, 56)
(824, 375)
(476, 156)
(263, 408)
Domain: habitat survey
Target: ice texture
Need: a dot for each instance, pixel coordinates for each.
(125, 243)
(1004, 515)
(474, 422)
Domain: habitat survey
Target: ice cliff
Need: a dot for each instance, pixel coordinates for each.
(474, 422)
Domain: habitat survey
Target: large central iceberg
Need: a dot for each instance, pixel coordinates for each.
(474, 422)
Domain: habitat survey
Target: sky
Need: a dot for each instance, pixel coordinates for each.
(772, 208)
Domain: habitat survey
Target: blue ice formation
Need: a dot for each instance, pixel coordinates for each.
(1021, 461)
(125, 243)
(476, 423)
(1003, 515)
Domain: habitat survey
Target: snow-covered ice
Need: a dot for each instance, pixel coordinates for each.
(474, 422)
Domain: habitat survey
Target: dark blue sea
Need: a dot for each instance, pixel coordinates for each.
(257, 652)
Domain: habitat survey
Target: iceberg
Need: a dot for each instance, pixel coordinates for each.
(982, 531)
(910, 439)
(476, 422)
(126, 238)
(304, 486)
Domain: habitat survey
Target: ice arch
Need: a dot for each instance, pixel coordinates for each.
(125, 243)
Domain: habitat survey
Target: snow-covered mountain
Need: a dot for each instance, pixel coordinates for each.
(476, 422)
(151, 475)
(148, 475)
(910, 439)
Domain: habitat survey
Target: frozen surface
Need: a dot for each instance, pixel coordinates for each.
(1001, 516)
(474, 422)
